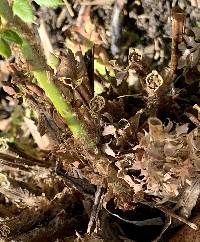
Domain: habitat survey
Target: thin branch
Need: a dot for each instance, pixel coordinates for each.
(178, 24)
(95, 209)
(69, 8)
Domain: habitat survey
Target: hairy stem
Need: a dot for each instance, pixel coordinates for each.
(37, 62)
(60, 104)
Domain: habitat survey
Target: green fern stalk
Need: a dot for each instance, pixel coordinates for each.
(39, 70)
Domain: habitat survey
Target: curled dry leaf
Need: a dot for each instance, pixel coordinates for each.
(152, 82)
(156, 129)
(135, 55)
(164, 163)
(109, 130)
(106, 148)
(190, 50)
(189, 198)
(97, 103)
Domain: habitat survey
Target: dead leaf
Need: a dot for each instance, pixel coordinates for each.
(43, 142)
(5, 124)
(152, 82)
(109, 130)
(189, 198)
(106, 148)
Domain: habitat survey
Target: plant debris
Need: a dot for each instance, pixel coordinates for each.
(99, 121)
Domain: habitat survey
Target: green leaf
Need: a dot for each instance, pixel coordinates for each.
(27, 50)
(23, 9)
(98, 88)
(11, 36)
(100, 67)
(5, 10)
(49, 3)
(5, 50)
(52, 60)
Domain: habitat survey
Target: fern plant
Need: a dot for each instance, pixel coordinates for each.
(14, 29)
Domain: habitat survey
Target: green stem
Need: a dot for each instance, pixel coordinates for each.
(36, 60)
(60, 104)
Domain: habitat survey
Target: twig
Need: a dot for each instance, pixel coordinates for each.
(171, 214)
(69, 8)
(178, 22)
(62, 16)
(95, 209)
(98, 2)
(193, 119)
(167, 224)
(147, 222)
(178, 217)
(81, 184)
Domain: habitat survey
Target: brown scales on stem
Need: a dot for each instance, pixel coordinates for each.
(178, 23)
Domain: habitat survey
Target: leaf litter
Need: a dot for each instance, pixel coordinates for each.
(143, 124)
